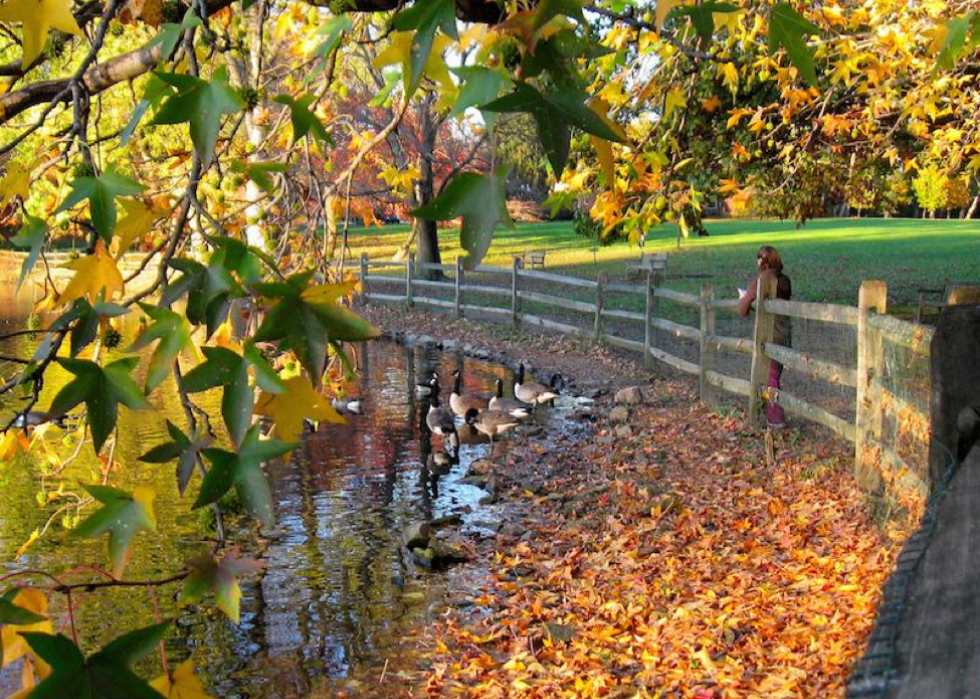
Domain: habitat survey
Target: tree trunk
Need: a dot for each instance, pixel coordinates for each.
(973, 207)
(428, 232)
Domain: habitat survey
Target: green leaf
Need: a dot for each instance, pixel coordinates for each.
(481, 85)
(209, 289)
(425, 17)
(306, 323)
(481, 201)
(174, 334)
(547, 10)
(170, 34)
(104, 675)
(102, 390)
(554, 113)
(259, 173)
(153, 95)
(956, 34)
(242, 470)
(220, 576)
(181, 448)
(30, 235)
(303, 120)
(121, 516)
(201, 104)
(13, 615)
(87, 319)
(226, 368)
(101, 192)
(392, 79)
(789, 29)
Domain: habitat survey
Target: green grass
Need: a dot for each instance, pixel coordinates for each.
(827, 259)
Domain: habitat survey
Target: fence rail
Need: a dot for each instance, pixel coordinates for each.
(582, 308)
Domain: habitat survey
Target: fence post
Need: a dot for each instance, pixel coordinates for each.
(515, 299)
(707, 328)
(600, 300)
(364, 274)
(764, 326)
(409, 271)
(873, 294)
(651, 301)
(459, 286)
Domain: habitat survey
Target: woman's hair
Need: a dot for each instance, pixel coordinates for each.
(770, 258)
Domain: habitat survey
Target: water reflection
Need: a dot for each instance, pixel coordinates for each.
(339, 592)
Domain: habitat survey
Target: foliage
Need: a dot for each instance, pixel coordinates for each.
(653, 578)
(930, 188)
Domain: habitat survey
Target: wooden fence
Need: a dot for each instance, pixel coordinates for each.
(882, 415)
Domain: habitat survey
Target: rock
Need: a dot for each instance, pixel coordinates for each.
(482, 466)
(629, 396)
(624, 431)
(487, 499)
(446, 554)
(450, 345)
(560, 632)
(417, 535)
(446, 521)
(476, 479)
(620, 414)
(489, 526)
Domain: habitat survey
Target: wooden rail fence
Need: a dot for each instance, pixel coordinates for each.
(877, 461)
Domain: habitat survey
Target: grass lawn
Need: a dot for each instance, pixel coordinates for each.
(827, 259)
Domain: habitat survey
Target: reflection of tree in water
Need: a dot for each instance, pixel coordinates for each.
(331, 599)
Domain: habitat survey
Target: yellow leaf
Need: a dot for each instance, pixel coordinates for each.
(16, 183)
(289, 409)
(727, 19)
(729, 75)
(15, 647)
(729, 186)
(603, 148)
(35, 535)
(663, 8)
(711, 105)
(137, 223)
(399, 51)
(39, 17)
(183, 684)
(675, 99)
(328, 293)
(144, 495)
(93, 273)
(13, 441)
(737, 116)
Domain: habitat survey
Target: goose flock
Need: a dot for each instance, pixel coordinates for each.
(489, 415)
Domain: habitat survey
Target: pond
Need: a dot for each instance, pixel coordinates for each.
(339, 595)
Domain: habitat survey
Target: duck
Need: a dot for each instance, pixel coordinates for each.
(347, 407)
(491, 422)
(440, 419)
(512, 406)
(461, 403)
(440, 462)
(533, 392)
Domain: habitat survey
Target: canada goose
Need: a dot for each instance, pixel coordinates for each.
(461, 402)
(511, 406)
(347, 407)
(531, 391)
(467, 434)
(440, 462)
(429, 387)
(440, 419)
(491, 422)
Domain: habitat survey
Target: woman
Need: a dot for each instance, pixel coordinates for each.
(770, 264)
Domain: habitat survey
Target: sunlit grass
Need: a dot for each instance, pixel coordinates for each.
(826, 259)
